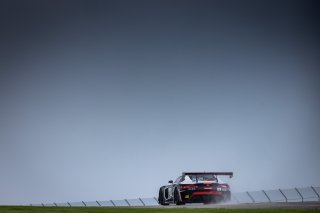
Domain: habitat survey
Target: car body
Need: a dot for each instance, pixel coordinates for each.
(195, 187)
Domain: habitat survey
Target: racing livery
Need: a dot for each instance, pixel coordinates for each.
(195, 187)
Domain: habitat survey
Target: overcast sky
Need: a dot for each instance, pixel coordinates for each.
(105, 100)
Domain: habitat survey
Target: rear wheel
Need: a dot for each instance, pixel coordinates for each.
(227, 197)
(177, 198)
(208, 200)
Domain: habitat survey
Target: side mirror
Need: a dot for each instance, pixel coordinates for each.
(170, 181)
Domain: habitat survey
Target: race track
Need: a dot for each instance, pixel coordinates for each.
(291, 205)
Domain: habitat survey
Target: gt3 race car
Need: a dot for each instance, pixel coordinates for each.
(195, 187)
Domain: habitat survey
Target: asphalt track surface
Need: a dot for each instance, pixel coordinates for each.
(290, 205)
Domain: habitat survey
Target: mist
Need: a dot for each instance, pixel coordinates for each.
(108, 100)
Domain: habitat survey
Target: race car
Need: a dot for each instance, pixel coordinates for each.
(196, 187)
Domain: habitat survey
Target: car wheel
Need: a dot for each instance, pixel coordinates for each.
(209, 200)
(227, 197)
(177, 198)
(160, 198)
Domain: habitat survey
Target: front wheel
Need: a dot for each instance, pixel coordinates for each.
(161, 199)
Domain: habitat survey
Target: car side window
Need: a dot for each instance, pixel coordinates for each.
(178, 180)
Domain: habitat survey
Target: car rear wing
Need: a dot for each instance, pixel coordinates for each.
(230, 174)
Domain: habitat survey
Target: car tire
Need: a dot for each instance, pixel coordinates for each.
(177, 198)
(227, 197)
(209, 200)
(160, 198)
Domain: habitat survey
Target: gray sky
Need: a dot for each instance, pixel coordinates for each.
(107, 100)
